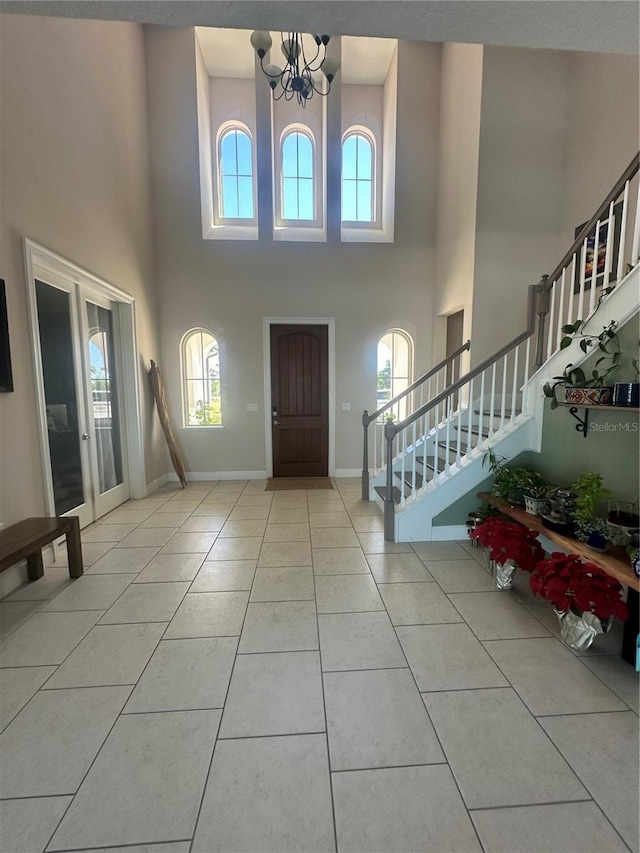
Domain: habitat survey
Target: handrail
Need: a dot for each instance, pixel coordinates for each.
(445, 361)
(618, 187)
(534, 289)
(368, 419)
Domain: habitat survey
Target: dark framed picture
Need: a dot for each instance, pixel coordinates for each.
(594, 260)
(6, 377)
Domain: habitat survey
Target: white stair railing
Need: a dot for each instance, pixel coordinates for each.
(419, 393)
(606, 247)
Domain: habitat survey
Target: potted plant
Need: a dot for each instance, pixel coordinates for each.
(580, 389)
(628, 393)
(498, 467)
(536, 497)
(585, 598)
(590, 493)
(511, 546)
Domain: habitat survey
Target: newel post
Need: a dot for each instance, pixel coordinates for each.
(543, 299)
(365, 456)
(390, 431)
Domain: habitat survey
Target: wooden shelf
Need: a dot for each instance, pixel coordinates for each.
(615, 563)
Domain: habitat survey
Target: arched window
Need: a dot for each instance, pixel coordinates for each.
(201, 379)
(297, 176)
(358, 170)
(395, 370)
(235, 159)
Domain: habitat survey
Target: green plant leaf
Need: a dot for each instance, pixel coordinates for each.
(565, 342)
(583, 345)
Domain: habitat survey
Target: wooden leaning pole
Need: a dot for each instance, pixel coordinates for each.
(157, 386)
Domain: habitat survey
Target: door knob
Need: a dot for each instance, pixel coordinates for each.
(85, 436)
(276, 423)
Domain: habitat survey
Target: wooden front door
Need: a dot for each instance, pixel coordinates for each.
(299, 401)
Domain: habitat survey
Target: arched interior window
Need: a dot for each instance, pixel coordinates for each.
(357, 178)
(297, 176)
(201, 379)
(395, 370)
(236, 175)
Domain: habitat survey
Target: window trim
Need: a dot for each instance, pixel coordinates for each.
(410, 365)
(228, 221)
(360, 130)
(184, 379)
(281, 222)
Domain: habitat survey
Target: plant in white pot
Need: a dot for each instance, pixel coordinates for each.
(536, 497)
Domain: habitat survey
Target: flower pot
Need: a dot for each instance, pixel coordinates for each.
(597, 542)
(577, 396)
(620, 518)
(515, 496)
(502, 575)
(635, 565)
(579, 631)
(534, 506)
(626, 394)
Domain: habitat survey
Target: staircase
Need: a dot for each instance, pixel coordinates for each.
(434, 456)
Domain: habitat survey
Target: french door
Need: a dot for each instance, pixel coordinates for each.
(79, 355)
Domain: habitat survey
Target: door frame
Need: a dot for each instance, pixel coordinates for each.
(330, 323)
(43, 264)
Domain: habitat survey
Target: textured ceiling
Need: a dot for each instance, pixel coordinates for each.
(598, 25)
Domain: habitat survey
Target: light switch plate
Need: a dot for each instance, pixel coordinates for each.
(346, 407)
(252, 407)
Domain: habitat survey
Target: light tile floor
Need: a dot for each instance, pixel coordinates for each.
(251, 671)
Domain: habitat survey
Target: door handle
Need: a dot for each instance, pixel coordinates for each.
(276, 423)
(85, 436)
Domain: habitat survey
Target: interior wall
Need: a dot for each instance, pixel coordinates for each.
(457, 186)
(603, 132)
(521, 180)
(74, 167)
(229, 286)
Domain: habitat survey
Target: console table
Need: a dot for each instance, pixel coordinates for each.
(615, 563)
(27, 539)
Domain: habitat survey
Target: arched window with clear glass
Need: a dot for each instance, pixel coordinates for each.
(358, 170)
(236, 174)
(201, 379)
(297, 176)
(395, 370)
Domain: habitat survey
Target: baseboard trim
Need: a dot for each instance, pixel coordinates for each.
(155, 484)
(197, 476)
(348, 472)
(448, 532)
(14, 577)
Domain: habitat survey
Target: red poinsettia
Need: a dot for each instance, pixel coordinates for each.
(508, 540)
(569, 583)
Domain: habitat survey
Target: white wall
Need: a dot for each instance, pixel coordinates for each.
(229, 287)
(457, 186)
(603, 132)
(74, 168)
(521, 185)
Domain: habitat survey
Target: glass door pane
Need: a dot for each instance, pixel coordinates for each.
(104, 410)
(60, 391)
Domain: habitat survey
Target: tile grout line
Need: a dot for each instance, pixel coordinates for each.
(440, 744)
(217, 737)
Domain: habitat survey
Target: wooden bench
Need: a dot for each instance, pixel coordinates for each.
(28, 537)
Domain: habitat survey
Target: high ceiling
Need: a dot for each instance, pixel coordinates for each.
(597, 25)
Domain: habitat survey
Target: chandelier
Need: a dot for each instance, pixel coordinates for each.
(296, 79)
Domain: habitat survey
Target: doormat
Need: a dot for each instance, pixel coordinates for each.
(278, 484)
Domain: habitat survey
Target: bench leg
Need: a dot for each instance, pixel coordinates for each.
(35, 569)
(74, 549)
(631, 629)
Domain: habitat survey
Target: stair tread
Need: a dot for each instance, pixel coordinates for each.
(381, 491)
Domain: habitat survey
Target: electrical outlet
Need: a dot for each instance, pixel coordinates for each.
(252, 407)
(346, 407)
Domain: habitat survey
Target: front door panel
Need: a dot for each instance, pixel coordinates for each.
(299, 400)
